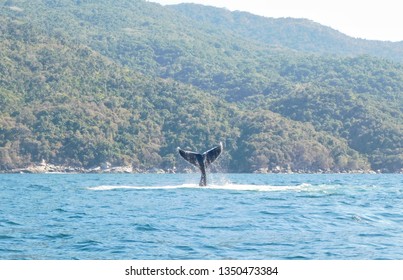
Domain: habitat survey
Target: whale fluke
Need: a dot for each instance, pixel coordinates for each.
(202, 161)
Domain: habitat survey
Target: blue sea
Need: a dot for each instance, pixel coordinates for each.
(168, 216)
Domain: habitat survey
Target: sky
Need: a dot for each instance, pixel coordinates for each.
(366, 19)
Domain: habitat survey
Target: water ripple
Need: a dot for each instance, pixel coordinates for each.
(5, 223)
(145, 227)
(3, 237)
(88, 245)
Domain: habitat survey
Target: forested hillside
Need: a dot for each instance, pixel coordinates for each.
(86, 82)
(296, 34)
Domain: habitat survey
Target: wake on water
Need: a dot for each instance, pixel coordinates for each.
(229, 186)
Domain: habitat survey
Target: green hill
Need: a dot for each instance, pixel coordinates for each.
(296, 34)
(85, 82)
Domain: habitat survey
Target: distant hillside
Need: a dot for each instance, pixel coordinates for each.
(296, 34)
(86, 82)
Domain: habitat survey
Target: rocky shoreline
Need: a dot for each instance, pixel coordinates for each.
(282, 171)
(104, 168)
(44, 167)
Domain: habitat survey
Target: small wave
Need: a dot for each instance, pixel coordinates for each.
(39, 187)
(230, 187)
(145, 227)
(58, 236)
(88, 245)
(2, 237)
(8, 223)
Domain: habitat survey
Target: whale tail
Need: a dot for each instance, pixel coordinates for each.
(202, 161)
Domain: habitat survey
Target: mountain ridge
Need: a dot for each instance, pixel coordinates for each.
(294, 33)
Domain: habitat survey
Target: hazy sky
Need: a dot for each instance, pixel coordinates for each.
(368, 19)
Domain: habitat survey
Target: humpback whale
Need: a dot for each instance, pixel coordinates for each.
(202, 161)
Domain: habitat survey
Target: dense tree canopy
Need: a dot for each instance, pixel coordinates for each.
(86, 82)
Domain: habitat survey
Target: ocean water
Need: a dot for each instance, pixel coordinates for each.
(239, 216)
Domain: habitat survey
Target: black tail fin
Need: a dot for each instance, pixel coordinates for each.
(202, 160)
(211, 155)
